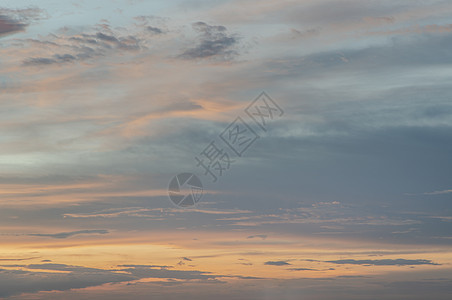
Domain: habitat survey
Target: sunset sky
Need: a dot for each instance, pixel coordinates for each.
(345, 193)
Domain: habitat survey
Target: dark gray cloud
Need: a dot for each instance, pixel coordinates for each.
(154, 29)
(277, 263)
(15, 282)
(56, 59)
(145, 266)
(146, 272)
(106, 37)
(64, 235)
(262, 236)
(16, 20)
(85, 46)
(215, 41)
(9, 26)
(384, 262)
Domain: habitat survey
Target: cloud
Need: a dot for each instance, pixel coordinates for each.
(276, 263)
(8, 26)
(145, 266)
(55, 59)
(214, 42)
(69, 45)
(64, 235)
(305, 33)
(35, 278)
(182, 263)
(439, 192)
(15, 282)
(16, 20)
(154, 29)
(384, 262)
(150, 212)
(84, 46)
(146, 272)
(17, 259)
(262, 236)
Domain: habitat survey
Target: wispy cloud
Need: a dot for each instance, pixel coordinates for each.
(384, 262)
(214, 42)
(81, 277)
(85, 46)
(17, 259)
(439, 192)
(277, 263)
(64, 235)
(262, 236)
